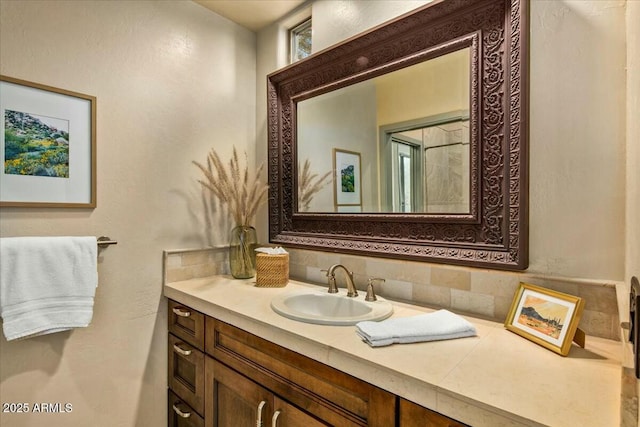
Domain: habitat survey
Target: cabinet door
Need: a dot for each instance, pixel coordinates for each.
(286, 415)
(232, 400)
(412, 415)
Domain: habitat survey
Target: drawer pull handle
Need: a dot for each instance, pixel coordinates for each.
(274, 420)
(180, 413)
(181, 351)
(259, 417)
(179, 311)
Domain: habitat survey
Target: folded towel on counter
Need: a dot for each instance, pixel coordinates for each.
(47, 284)
(440, 325)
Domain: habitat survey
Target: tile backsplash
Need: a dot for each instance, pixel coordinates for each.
(188, 264)
(479, 292)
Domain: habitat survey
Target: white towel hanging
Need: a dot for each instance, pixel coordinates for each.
(47, 284)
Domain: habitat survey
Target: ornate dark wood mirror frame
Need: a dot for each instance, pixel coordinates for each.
(495, 233)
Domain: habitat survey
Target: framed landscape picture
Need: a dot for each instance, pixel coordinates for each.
(546, 317)
(347, 187)
(47, 145)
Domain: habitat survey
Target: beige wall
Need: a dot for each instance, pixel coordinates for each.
(577, 138)
(171, 80)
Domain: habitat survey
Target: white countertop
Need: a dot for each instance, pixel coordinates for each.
(495, 379)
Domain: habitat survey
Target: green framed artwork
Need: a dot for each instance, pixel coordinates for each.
(48, 146)
(347, 180)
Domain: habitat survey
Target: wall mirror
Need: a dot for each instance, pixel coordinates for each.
(407, 128)
(420, 127)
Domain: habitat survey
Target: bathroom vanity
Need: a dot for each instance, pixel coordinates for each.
(242, 379)
(229, 352)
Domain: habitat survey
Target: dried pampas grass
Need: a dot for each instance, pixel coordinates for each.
(309, 184)
(241, 193)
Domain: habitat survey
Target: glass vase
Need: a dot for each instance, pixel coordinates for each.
(242, 255)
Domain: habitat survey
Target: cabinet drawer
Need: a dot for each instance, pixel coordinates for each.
(186, 373)
(320, 390)
(187, 324)
(181, 414)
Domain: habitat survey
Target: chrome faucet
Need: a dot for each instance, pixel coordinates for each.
(333, 288)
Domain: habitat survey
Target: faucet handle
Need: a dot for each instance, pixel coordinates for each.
(331, 279)
(371, 295)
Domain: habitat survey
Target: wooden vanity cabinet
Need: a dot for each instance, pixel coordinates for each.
(219, 375)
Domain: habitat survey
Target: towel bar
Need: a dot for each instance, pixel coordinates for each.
(106, 241)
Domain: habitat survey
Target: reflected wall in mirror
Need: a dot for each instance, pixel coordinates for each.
(443, 159)
(368, 118)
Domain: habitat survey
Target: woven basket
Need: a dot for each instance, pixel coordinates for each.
(272, 271)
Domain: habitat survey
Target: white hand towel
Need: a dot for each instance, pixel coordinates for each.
(440, 325)
(47, 284)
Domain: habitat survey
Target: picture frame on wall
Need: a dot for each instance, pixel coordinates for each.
(47, 146)
(546, 317)
(347, 189)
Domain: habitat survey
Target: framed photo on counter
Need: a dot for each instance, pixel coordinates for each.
(546, 317)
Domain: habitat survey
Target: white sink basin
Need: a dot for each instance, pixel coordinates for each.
(323, 308)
